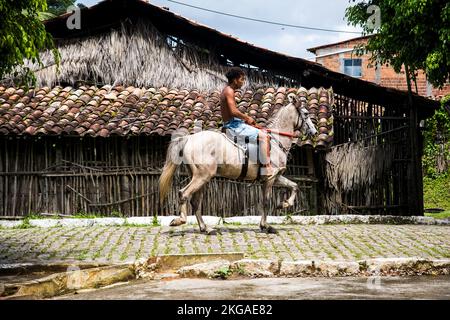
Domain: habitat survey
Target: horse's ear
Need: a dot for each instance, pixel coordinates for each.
(292, 98)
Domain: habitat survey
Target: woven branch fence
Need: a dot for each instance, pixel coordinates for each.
(119, 176)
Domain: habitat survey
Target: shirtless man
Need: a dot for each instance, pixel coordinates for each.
(240, 123)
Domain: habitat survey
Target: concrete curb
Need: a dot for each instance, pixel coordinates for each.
(310, 268)
(69, 281)
(87, 276)
(207, 266)
(245, 220)
(176, 261)
(21, 268)
(10, 224)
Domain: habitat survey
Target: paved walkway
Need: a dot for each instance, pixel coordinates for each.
(114, 244)
(405, 288)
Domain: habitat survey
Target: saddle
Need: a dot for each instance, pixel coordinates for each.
(245, 145)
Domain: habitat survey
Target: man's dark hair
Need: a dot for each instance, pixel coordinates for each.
(234, 73)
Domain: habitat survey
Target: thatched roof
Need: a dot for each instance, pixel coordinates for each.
(106, 111)
(136, 55)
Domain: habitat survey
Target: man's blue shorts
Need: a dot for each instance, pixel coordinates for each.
(240, 128)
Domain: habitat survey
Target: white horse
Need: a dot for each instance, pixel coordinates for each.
(211, 153)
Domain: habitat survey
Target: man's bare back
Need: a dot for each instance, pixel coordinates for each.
(224, 105)
(228, 104)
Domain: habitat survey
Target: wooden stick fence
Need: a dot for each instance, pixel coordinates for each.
(374, 126)
(111, 176)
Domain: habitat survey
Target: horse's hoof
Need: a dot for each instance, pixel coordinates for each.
(269, 229)
(209, 232)
(283, 205)
(176, 222)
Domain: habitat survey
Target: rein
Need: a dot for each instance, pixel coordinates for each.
(281, 133)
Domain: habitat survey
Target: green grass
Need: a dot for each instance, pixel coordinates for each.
(233, 223)
(77, 215)
(436, 194)
(440, 215)
(155, 222)
(25, 223)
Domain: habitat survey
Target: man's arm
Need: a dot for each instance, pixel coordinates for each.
(234, 111)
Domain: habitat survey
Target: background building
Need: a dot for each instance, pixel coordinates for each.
(341, 57)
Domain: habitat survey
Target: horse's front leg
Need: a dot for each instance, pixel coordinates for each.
(267, 190)
(285, 182)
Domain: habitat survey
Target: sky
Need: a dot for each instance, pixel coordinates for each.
(327, 14)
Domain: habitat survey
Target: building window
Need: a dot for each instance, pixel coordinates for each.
(352, 67)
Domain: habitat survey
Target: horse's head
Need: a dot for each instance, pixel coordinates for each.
(305, 125)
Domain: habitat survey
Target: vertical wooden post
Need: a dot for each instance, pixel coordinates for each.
(415, 183)
(125, 183)
(321, 198)
(3, 151)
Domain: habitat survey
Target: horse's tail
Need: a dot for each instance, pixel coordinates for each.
(173, 160)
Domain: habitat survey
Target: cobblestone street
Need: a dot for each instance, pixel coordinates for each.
(115, 244)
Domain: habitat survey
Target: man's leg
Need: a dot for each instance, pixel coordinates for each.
(264, 154)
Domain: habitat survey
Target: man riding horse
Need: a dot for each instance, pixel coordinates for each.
(209, 154)
(243, 125)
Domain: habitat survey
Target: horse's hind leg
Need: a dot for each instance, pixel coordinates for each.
(196, 183)
(183, 209)
(196, 201)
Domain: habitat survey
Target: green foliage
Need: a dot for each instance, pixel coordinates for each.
(57, 7)
(436, 185)
(116, 214)
(23, 36)
(437, 140)
(26, 221)
(223, 273)
(436, 192)
(155, 221)
(414, 33)
(45, 16)
(86, 215)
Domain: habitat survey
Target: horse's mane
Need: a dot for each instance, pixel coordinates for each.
(275, 116)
